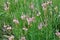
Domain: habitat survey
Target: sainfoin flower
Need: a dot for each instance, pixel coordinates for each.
(15, 21)
(23, 17)
(57, 33)
(5, 26)
(32, 6)
(29, 20)
(11, 37)
(40, 26)
(44, 5)
(23, 38)
(9, 28)
(6, 6)
(49, 2)
(25, 29)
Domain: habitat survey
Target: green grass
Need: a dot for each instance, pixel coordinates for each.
(33, 33)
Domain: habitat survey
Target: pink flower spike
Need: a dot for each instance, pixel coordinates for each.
(40, 26)
(6, 7)
(16, 21)
(9, 28)
(23, 17)
(11, 37)
(29, 20)
(57, 33)
(25, 29)
(32, 6)
(5, 26)
(50, 2)
(23, 38)
(44, 5)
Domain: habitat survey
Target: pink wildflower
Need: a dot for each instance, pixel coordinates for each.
(23, 38)
(15, 21)
(57, 33)
(49, 2)
(44, 5)
(11, 37)
(29, 20)
(40, 26)
(6, 6)
(24, 28)
(32, 6)
(5, 26)
(23, 17)
(9, 28)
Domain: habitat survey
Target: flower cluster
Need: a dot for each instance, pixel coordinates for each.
(6, 5)
(45, 4)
